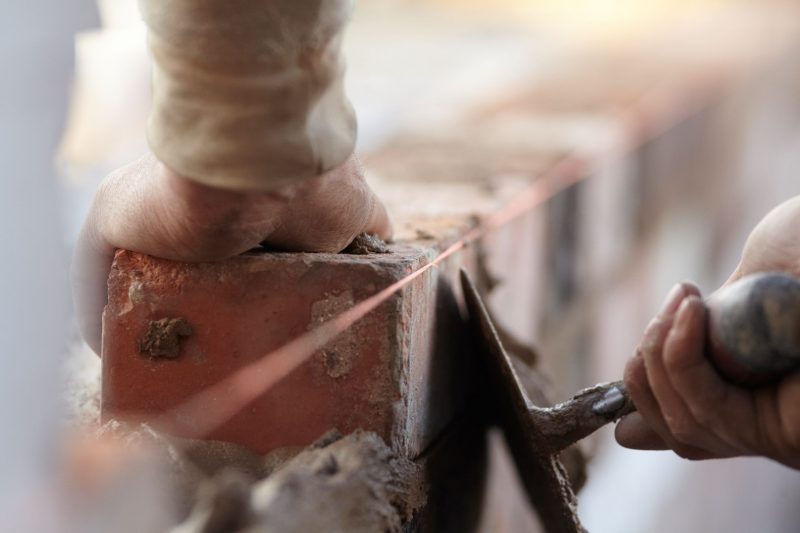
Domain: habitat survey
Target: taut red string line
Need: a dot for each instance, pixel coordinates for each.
(220, 402)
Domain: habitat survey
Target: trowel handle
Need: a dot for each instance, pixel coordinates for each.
(754, 328)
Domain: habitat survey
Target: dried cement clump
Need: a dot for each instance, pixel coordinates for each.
(162, 339)
(355, 485)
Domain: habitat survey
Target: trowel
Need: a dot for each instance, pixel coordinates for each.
(754, 338)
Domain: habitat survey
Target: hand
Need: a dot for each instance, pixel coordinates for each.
(683, 404)
(144, 207)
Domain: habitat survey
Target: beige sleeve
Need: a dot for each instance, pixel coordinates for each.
(249, 94)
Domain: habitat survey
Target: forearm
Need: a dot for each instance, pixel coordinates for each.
(248, 94)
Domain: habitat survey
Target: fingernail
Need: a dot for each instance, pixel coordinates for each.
(674, 298)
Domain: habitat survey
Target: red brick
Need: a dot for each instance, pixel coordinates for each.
(376, 376)
(400, 372)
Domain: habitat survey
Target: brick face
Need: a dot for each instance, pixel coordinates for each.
(375, 376)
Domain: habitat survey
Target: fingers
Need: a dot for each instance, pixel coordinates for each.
(636, 378)
(633, 432)
(660, 409)
(326, 213)
(146, 208)
(685, 342)
(684, 405)
(713, 407)
(379, 222)
(780, 411)
(648, 430)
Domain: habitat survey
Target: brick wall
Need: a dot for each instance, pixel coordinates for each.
(669, 148)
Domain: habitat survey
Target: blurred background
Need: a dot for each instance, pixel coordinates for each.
(690, 110)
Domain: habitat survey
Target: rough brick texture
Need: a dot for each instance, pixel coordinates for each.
(376, 376)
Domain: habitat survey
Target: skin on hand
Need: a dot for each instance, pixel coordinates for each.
(682, 403)
(146, 208)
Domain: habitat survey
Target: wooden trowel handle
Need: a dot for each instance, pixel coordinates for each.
(754, 328)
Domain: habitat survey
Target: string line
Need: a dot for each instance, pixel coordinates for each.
(215, 405)
(212, 407)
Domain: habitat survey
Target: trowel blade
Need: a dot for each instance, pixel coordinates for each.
(542, 474)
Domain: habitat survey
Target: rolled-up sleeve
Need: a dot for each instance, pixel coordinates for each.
(249, 94)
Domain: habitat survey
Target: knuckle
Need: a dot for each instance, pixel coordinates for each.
(674, 358)
(653, 338)
(650, 331)
(704, 417)
(658, 325)
(683, 430)
(707, 407)
(682, 369)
